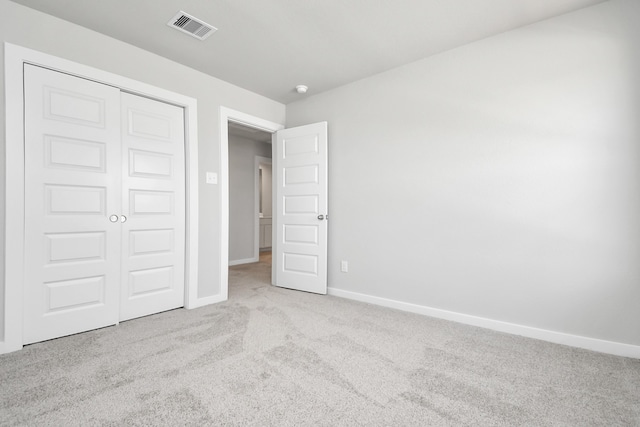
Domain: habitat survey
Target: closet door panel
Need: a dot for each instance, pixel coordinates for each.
(72, 186)
(153, 201)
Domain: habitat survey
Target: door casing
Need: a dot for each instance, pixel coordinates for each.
(258, 160)
(15, 57)
(228, 115)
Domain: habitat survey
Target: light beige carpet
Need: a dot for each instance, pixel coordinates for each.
(274, 357)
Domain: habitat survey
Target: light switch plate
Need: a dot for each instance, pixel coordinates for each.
(212, 178)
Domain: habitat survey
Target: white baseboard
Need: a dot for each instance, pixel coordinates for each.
(243, 261)
(602, 346)
(9, 347)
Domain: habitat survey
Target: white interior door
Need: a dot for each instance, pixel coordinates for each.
(153, 199)
(301, 208)
(72, 184)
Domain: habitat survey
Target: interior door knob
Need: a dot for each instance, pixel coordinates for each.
(320, 217)
(123, 218)
(113, 218)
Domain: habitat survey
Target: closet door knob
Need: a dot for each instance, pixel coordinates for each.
(113, 218)
(123, 218)
(320, 217)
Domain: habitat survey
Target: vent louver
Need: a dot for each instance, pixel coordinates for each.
(192, 26)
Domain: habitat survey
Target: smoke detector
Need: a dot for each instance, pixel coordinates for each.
(192, 26)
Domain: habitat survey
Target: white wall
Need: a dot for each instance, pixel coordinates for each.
(242, 221)
(25, 27)
(499, 180)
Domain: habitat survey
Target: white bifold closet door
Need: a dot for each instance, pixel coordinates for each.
(153, 203)
(104, 203)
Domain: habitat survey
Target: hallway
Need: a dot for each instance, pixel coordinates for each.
(245, 276)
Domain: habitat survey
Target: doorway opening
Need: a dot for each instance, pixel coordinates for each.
(250, 213)
(246, 197)
(300, 231)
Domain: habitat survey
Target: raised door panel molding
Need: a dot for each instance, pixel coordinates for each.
(301, 263)
(148, 281)
(300, 175)
(301, 145)
(75, 200)
(150, 242)
(301, 234)
(143, 202)
(71, 153)
(75, 247)
(73, 107)
(144, 124)
(76, 293)
(147, 164)
(300, 205)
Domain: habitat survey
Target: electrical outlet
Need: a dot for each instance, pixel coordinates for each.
(344, 266)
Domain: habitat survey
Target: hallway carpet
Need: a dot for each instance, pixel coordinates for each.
(275, 357)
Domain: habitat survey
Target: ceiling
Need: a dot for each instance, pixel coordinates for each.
(247, 132)
(271, 46)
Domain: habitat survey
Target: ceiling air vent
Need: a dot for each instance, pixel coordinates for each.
(192, 26)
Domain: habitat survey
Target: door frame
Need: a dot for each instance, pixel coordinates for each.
(15, 57)
(258, 160)
(229, 115)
